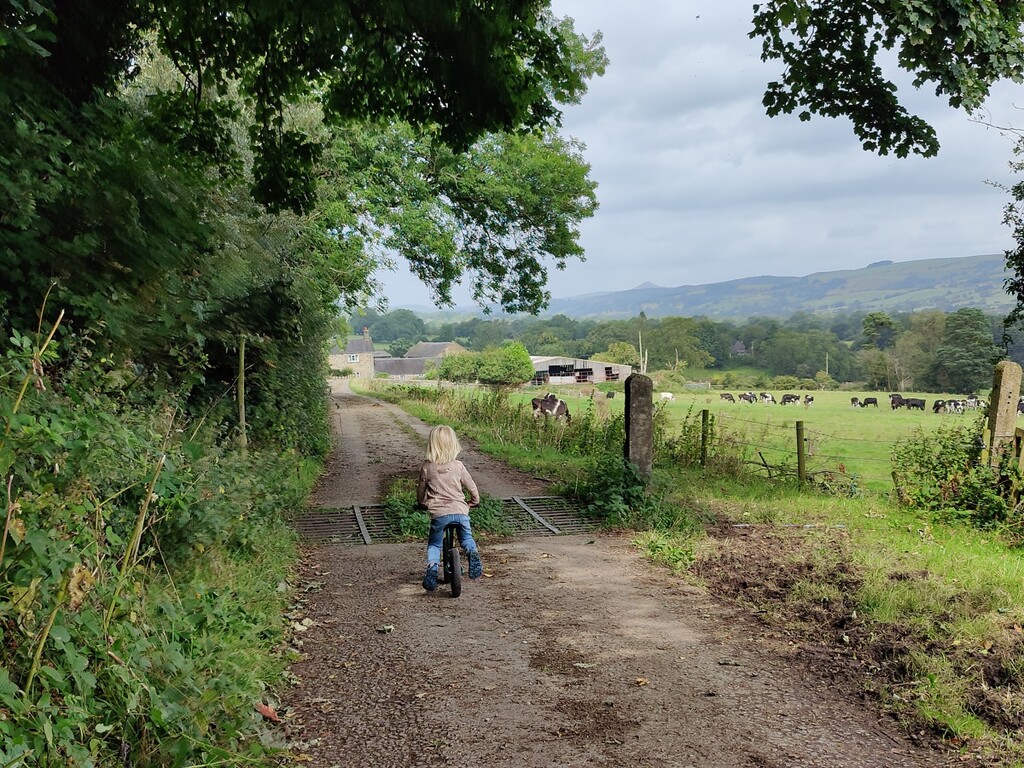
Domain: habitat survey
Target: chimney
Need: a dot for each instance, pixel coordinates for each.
(366, 333)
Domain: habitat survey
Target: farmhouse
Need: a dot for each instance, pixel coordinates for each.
(359, 355)
(576, 370)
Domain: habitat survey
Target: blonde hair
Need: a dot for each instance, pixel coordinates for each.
(442, 445)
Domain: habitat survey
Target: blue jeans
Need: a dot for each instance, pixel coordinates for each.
(436, 536)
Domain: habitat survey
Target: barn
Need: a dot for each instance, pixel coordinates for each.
(576, 370)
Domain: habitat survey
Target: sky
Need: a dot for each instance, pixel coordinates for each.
(697, 185)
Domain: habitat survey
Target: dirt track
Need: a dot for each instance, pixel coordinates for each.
(572, 651)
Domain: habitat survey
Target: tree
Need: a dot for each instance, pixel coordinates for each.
(878, 367)
(620, 352)
(464, 69)
(460, 368)
(833, 55)
(964, 361)
(914, 353)
(400, 324)
(399, 347)
(508, 365)
(879, 330)
(492, 216)
(674, 344)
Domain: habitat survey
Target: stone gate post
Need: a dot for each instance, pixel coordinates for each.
(1002, 409)
(639, 448)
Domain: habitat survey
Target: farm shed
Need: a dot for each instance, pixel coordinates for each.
(576, 370)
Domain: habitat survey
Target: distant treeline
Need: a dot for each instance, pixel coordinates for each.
(930, 350)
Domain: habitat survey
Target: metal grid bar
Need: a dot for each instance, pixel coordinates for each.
(367, 524)
(534, 515)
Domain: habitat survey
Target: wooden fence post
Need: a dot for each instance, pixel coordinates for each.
(801, 456)
(243, 437)
(704, 437)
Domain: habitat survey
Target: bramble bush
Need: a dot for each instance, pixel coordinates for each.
(942, 472)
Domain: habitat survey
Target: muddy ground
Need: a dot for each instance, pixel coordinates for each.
(571, 651)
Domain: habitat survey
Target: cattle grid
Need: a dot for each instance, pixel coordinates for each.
(366, 523)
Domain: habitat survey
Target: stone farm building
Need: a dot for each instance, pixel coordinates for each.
(358, 355)
(575, 370)
(366, 362)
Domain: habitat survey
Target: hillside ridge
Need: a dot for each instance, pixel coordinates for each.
(946, 284)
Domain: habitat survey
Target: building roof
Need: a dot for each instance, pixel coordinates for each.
(359, 345)
(429, 349)
(400, 366)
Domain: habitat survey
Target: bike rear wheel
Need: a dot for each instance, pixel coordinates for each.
(455, 577)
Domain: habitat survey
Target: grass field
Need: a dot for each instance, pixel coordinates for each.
(855, 443)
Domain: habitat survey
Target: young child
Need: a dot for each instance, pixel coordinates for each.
(442, 480)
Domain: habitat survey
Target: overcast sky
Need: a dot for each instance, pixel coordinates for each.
(696, 185)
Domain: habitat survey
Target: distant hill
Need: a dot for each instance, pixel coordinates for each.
(908, 286)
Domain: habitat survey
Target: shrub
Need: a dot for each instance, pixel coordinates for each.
(942, 472)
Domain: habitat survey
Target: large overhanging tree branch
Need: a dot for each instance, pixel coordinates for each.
(463, 67)
(832, 49)
(494, 216)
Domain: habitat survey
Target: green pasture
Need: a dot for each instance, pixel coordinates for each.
(854, 444)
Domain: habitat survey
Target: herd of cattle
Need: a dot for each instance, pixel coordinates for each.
(896, 401)
(551, 405)
(766, 397)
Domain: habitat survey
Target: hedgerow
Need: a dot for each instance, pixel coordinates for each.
(141, 567)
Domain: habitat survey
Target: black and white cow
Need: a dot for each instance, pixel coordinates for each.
(869, 401)
(549, 405)
(896, 400)
(727, 396)
(808, 400)
(939, 406)
(767, 397)
(747, 397)
(855, 402)
(789, 398)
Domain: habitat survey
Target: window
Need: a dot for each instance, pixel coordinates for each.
(353, 358)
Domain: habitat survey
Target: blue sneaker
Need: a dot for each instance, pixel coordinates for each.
(430, 578)
(476, 568)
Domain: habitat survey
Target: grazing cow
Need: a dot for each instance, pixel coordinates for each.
(855, 402)
(896, 400)
(939, 406)
(748, 397)
(869, 401)
(956, 406)
(808, 399)
(913, 403)
(767, 397)
(727, 396)
(787, 399)
(549, 405)
(666, 397)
